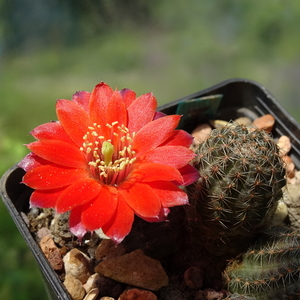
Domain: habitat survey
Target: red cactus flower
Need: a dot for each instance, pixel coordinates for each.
(110, 156)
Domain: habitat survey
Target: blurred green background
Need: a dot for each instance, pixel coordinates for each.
(50, 49)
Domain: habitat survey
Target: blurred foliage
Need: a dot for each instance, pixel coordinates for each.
(20, 278)
(50, 49)
(66, 22)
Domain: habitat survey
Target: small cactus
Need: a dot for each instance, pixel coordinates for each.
(241, 180)
(270, 269)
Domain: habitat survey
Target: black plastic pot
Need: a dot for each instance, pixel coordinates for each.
(227, 100)
(240, 97)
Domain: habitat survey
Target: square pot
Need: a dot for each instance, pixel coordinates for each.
(228, 100)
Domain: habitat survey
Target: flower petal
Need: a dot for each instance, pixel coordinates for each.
(128, 96)
(159, 114)
(179, 138)
(141, 112)
(74, 119)
(99, 102)
(170, 195)
(146, 172)
(116, 110)
(174, 156)
(48, 177)
(58, 152)
(121, 224)
(163, 216)
(45, 198)
(75, 224)
(82, 99)
(189, 174)
(143, 201)
(50, 131)
(78, 193)
(101, 210)
(154, 134)
(31, 161)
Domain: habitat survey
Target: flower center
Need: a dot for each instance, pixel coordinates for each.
(109, 160)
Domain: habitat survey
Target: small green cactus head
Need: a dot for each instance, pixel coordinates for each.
(241, 179)
(269, 269)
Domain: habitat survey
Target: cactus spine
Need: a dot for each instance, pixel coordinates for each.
(237, 193)
(270, 269)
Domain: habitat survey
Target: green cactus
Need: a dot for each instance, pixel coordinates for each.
(270, 269)
(236, 196)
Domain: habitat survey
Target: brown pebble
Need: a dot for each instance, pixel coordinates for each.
(74, 287)
(201, 133)
(107, 249)
(218, 123)
(63, 250)
(193, 278)
(78, 265)
(210, 294)
(51, 252)
(55, 260)
(44, 231)
(297, 177)
(137, 294)
(243, 121)
(265, 122)
(289, 166)
(108, 287)
(284, 144)
(135, 269)
(92, 282)
(92, 294)
(47, 244)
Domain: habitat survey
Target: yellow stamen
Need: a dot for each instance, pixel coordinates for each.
(110, 159)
